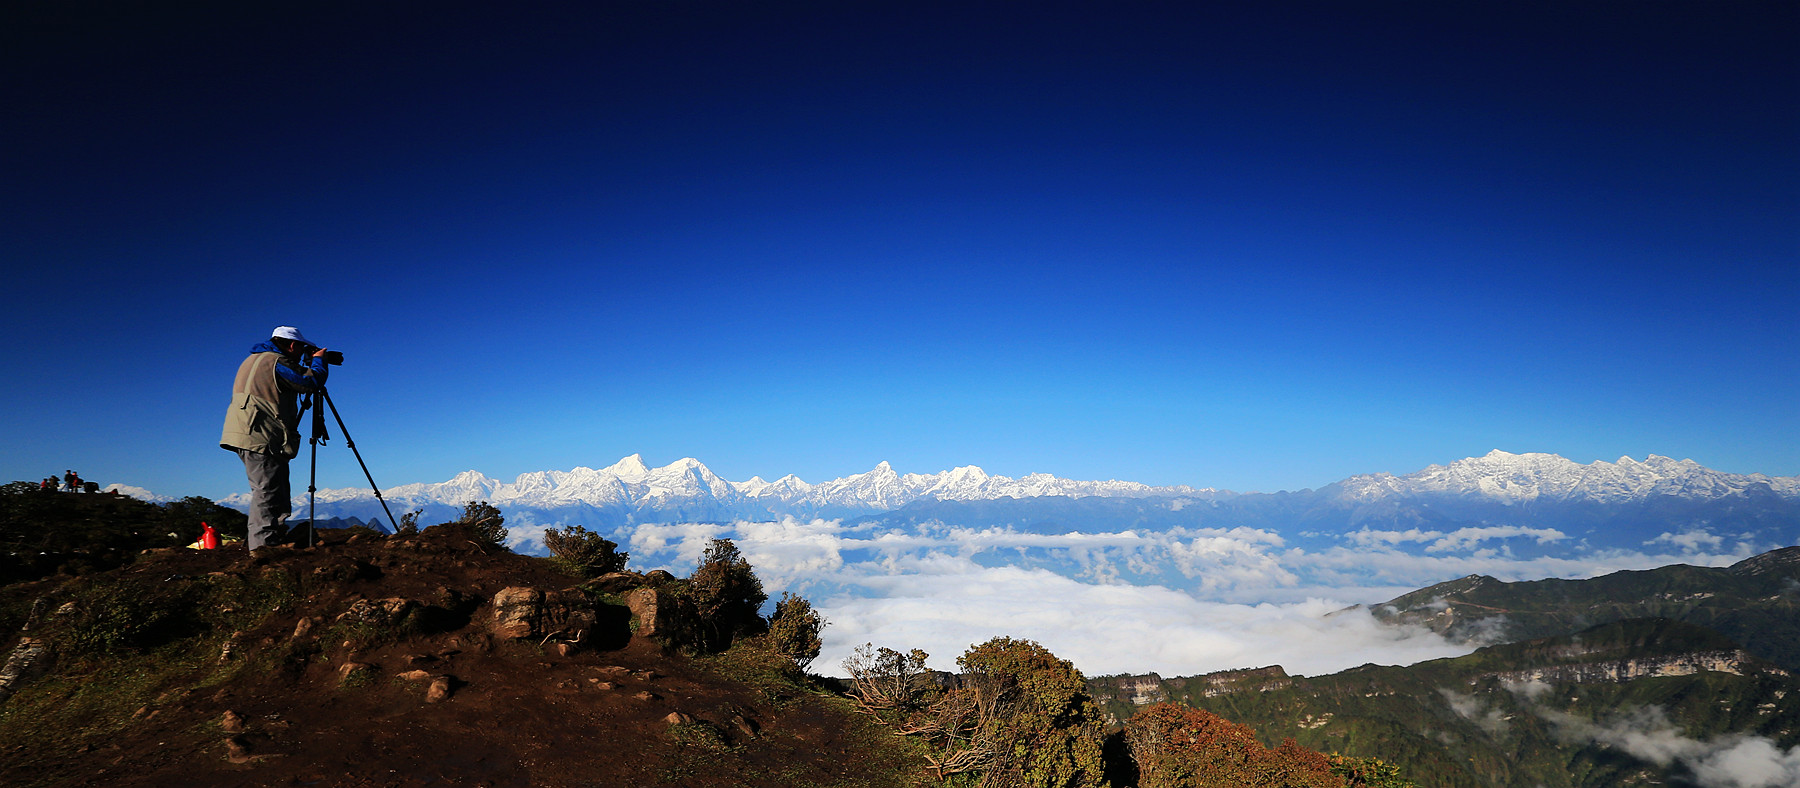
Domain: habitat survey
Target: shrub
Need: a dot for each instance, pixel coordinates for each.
(1178, 746)
(1034, 711)
(726, 595)
(582, 552)
(887, 683)
(409, 523)
(794, 630)
(487, 522)
(1368, 772)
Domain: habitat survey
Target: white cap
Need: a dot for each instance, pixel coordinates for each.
(289, 332)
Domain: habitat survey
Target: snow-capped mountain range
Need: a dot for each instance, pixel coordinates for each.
(686, 490)
(1517, 478)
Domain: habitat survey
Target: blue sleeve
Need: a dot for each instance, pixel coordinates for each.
(311, 380)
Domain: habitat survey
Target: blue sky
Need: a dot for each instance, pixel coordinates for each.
(1255, 248)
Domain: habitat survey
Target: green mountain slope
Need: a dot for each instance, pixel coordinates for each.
(1755, 602)
(1575, 711)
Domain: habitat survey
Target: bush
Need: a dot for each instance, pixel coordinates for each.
(794, 630)
(726, 595)
(582, 552)
(1043, 728)
(1368, 772)
(409, 523)
(1178, 746)
(487, 522)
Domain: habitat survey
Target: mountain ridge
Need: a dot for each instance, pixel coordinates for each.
(687, 488)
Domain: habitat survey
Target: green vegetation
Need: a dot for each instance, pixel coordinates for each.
(1498, 717)
(794, 630)
(122, 649)
(1755, 603)
(486, 522)
(726, 596)
(1368, 772)
(1043, 729)
(1176, 746)
(583, 553)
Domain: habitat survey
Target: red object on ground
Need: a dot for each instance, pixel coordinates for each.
(209, 539)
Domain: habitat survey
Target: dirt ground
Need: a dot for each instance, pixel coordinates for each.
(277, 708)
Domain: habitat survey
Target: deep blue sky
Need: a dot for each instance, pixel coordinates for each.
(1257, 248)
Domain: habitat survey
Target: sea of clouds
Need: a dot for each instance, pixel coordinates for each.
(1178, 602)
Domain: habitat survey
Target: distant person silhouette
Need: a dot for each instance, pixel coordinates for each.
(263, 424)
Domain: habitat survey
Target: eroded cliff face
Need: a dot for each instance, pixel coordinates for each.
(1149, 688)
(1614, 671)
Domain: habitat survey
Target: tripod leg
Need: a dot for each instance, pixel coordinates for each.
(351, 442)
(312, 480)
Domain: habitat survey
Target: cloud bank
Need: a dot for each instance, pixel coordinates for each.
(1182, 601)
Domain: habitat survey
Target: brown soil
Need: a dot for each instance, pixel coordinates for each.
(520, 713)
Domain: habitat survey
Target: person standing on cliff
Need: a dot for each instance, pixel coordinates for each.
(263, 424)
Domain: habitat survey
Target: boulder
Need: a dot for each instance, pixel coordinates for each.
(439, 691)
(353, 670)
(382, 613)
(522, 612)
(655, 611)
(25, 662)
(614, 582)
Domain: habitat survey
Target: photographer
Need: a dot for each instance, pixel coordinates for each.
(263, 424)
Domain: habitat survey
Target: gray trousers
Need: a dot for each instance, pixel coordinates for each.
(270, 499)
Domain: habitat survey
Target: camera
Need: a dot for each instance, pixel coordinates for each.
(334, 357)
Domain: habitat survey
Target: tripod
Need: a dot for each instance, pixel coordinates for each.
(319, 435)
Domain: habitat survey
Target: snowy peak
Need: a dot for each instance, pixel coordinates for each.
(630, 469)
(686, 490)
(1522, 478)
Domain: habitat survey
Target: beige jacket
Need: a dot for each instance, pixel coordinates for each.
(264, 416)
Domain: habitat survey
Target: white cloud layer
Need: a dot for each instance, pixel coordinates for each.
(1176, 602)
(1731, 761)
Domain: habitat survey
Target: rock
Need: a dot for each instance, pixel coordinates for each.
(381, 613)
(303, 627)
(351, 670)
(229, 650)
(654, 611)
(564, 649)
(415, 675)
(645, 675)
(26, 662)
(231, 722)
(658, 577)
(744, 726)
(439, 690)
(345, 570)
(614, 582)
(604, 686)
(647, 696)
(522, 612)
(613, 671)
(237, 750)
(677, 718)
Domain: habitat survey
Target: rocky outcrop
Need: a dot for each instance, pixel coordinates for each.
(1615, 671)
(655, 612)
(521, 612)
(25, 659)
(1250, 680)
(1137, 690)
